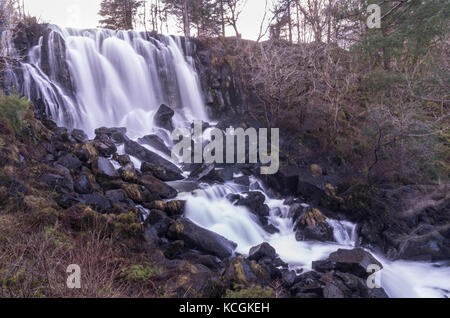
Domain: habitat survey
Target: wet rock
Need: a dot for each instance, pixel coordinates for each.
(157, 143)
(70, 161)
(128, 174)
(104, 168)
(261, 251)
(205, 172)
(285, 180)
(243, 272)
(134, 149)
(313, 225)
(288, 278)
(163, 117)
(255, 202)
(271, 229)
(134, 192)
(158, 187)
(354, 261)
(86, 152)
(83, 185)
(157, 225)
(160, 172)
(346, 285)
(243, 180)
(115, 196)
(79, 135)
(97, 202)
(172, 208)
(123, 160)
(308, 285)
(201, 239)
(117, 135)
(225, 174)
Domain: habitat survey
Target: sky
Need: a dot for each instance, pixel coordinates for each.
(83, 14)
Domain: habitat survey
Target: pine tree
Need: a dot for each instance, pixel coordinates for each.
(119, 14)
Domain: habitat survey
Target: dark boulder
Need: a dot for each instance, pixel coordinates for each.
(123, 160)
(156, 225)
(174, 208)
(255, 202)
(285, 181)
(79, 135)
(205, 172)
(104, 168)
(261, 251)
(354, 261)
(117, 135)
(70, 161)
(136, 150)
(83, 185)
(313, 226)
(115, 196)
(161, 172)
(201, 239)
(243, 272)
(163, 117)
(97, 202)
(158, 187)
(156, 142)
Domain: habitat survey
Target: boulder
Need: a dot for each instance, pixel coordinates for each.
(104, 168)
(97, 202)
(79, 135)
(156, 186)
(70, 161)
(163, 117)
(160, 172)
(117, 135)
(254, 202)
(123, 160)
(261, 251)
(205, 172)
(83, 185)
(172, 208)
(354, 261)
(313, 226)
(157, 143)
(201, 239)
(286, 180)
(242, 272)
(134, 149)
(156, 225)
(115, 196)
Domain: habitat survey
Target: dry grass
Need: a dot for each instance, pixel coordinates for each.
(34, 259)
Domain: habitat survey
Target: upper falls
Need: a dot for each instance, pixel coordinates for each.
(94, 78)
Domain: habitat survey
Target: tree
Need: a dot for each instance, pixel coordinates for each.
(231, 11)
(119, 14)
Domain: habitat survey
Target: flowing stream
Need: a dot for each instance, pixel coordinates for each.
(119, 79)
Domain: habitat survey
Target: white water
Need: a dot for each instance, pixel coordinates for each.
(208, 208)
(121, 78)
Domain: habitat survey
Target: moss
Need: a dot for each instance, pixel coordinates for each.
(250, 292)
(140, 273)
(239, 273)
(316, 169)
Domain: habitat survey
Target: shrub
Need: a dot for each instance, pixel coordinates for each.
(14, 111)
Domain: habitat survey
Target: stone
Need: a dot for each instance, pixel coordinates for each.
(70, 161)
(354, 261)
(134, 149)
(201, 239)
(83, 185)
(163, 117)
(313, 226)
(79, 135)
(261, 251)
(158, 187)
(157, 143)
(160, 172)
(105, 168)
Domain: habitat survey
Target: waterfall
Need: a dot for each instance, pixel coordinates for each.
(119, 78)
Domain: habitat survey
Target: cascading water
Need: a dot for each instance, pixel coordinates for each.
(119, 78)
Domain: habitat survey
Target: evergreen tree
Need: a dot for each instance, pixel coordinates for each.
(119, 14)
